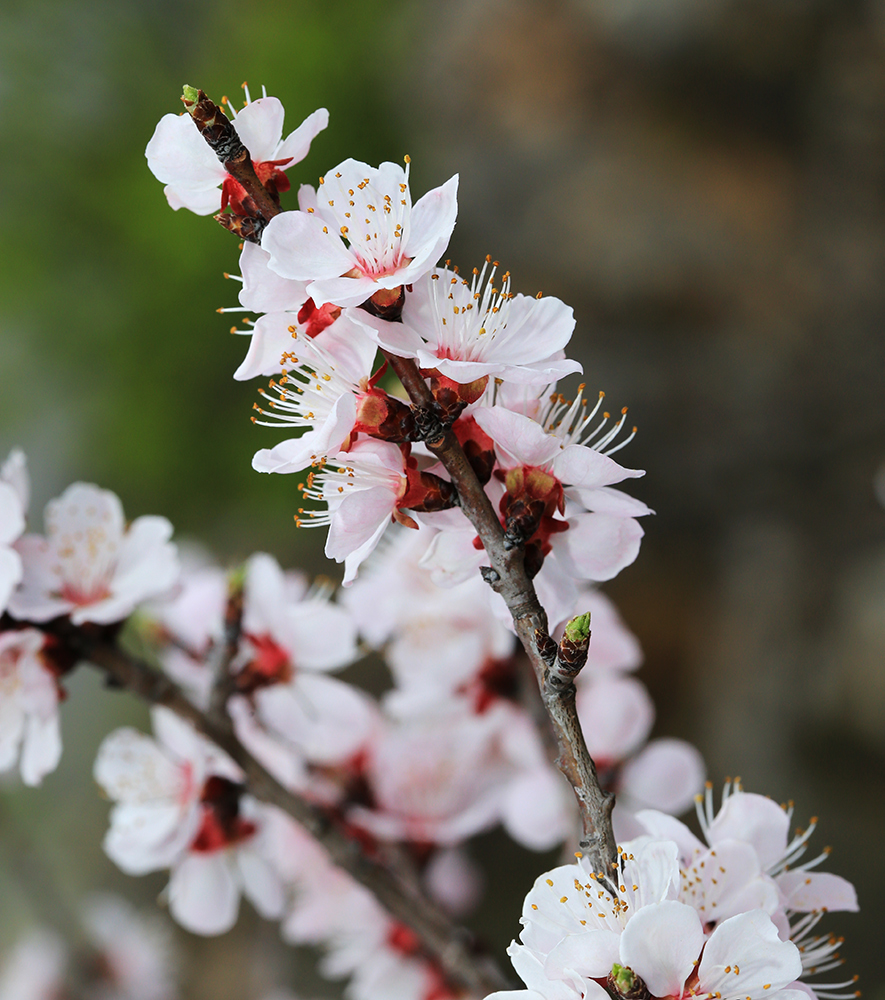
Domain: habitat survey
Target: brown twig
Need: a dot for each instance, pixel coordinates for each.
(507, 576)
(450, 947)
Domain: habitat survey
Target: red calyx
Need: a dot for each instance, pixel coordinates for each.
(383, 416)
(221, 824)
(270, 664)
(478, 447)
(315, 318)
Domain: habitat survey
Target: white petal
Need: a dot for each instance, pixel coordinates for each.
(430, 227)
(756, 819)
(518, 438)
(264, 290)
(807, 891)
(666, 775)
(598, 546)
(748, 942)
(661, 944)
(300, 249)
(203, 894)
(580, 466)
(261, 884)
(296, 145)
(260, 125)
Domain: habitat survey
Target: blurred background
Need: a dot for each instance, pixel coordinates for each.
(702, 180)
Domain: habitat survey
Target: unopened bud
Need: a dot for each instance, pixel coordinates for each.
(575, 644)
(189, 96)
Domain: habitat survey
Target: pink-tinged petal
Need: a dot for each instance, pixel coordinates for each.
(661, 944)
(588, 955)
(328, 720)
(283, 761)
(606, 500)
(430, 227)
(577, 465)
(203, 894)
(294, 454)
(37, 598)
(299, 248)
(756, 819)
(537, 373)
(568, 987)
(41, 749)
(131, 767)
(454, 881)
(351, 291)
(264, 604)
(323, 636)
(296, 145)
(664, 827)
(145, 838)
(451, 557)
(147, 566)
(261, 884)
(616, 715)
(357, 520)
(537, 809)
(518, 439)
(598, 546)
(807, 891)
(398, 338)
(728, 880)
(260, 126)
(264, 290)
(659, 866)
(666, 775)
(271, 336)
(759, 963)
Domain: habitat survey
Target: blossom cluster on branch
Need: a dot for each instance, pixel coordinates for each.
(475, 510)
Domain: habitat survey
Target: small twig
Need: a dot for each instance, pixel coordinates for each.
(449, 946)
(224, 683)
(218, 131)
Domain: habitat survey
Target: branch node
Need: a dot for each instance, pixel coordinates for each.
(491, 576)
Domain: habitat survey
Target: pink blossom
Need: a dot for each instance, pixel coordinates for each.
(179, 157)
(29, 725)
(360, 234)
(638, 934)
(470, 329)
(324, 382)
(90, 565)
(180, 805)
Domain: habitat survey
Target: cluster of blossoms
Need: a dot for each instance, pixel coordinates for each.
(453, 747)
(730, 917)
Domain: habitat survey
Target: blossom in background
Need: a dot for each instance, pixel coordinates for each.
(90, 565)
(29, 696)
(471, 329)
(179, 804)
(13, 504)
(359, 234)
(125, 955)
(180, 158)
